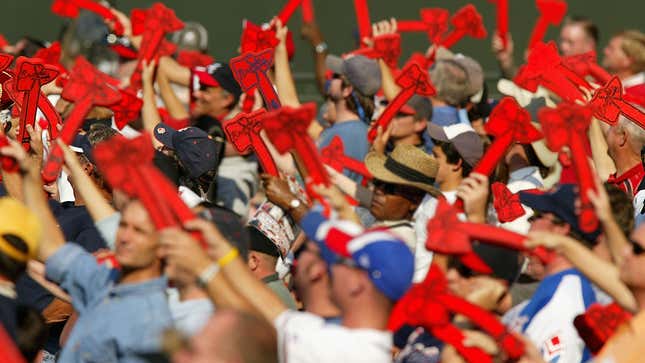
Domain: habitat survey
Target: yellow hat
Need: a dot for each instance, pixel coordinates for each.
(18, 220)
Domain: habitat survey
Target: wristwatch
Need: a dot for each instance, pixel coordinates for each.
(321, 47)
(294, 203)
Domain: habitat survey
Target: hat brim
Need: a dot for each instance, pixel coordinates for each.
(206, 79)
(436, 132)
(164, 134)
(334, 63)
(375, 164)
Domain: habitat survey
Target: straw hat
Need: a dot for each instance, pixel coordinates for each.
(406, 165)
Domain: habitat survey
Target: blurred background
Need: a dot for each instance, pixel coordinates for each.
(336, 18)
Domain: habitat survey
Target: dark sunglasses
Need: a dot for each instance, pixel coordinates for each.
(463, 270)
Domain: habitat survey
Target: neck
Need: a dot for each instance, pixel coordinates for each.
(343, 114)
(624, 74)
(451, 183)
(559, 264)
(639, 294)
(368, 315)
(140, 275)
(316, 301)
(626, 162)
(190, 292)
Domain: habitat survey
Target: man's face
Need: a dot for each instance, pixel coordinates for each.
(404, 126)
(445, 168)
(137, 240)
(615, 59)
(336, 89)
(573, 40)
(309, 266)
(344, 281)
(614, 139)
(546, 222)
(211, 101)
(632, 268)
(389, 202)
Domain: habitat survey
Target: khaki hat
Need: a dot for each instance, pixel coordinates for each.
(406, 165)
(17, 220)
(362, 73)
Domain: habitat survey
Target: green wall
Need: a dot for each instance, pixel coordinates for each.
(336, 18)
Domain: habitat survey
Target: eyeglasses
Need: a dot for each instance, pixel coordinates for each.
(637, 249)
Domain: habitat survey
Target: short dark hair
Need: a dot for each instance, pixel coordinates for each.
(590, 29)
(99, 133)
(357, 99)
(453, 156)
(622, 208)
(9, 267)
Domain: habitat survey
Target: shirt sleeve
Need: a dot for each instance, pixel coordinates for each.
(78, 273)
(107, 228)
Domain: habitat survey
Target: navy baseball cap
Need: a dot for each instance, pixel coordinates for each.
(195, 150)
(218, 75)
(560, 202)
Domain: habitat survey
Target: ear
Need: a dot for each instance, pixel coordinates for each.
(316, 271)
(457, 167)
(420, 125)
(253, 261)
(359, 283)
(347, 91)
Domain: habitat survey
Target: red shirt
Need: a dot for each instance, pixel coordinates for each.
(630, 180)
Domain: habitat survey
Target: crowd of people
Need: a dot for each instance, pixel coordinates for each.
(341, 236)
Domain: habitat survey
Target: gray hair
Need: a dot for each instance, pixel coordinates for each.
(636, 133)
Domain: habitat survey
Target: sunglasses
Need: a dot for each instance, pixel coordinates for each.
(637, 249)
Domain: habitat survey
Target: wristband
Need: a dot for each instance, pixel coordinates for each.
(228, 258)
(207, 275)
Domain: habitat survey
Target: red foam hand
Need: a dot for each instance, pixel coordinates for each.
(413, 80)
(386, 47)
(599, 323)
(159, 20)
(567, 125)
(86, 87)
(363, 20)
(551, 13)
(466, 21)
(434, 22)
(608, 104)
(31, 74)
(8, 164)
(287, 129)
(506, 204)
(243, 132)
(585, 65)
(51, 55)
(544, 67)
(256, 39)
(307, 11)
(128, 109)
(71, 8)
(509, 123)
(334, 156)
(430, 305)
(448, 235)
(194, 58)
(287, 11)
(250, 70)
(502, 20)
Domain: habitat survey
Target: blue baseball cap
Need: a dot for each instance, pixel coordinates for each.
(196, 151)
(560, 201)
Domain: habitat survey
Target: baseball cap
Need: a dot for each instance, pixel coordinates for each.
(387, 260)
(81, 144)
(504, 262)
(16, 220)
(362, 73)
(218, 75)
(561, 202)
(261, 243)
(419, 106)
(196, 151)
(457, 77)
(468, 144)
(275, 227)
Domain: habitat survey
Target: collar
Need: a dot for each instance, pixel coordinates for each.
(634, 80)
(271, 278)
(140, 288)
(629, 180)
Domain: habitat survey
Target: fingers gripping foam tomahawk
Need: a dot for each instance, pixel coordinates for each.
(127, 165)
(386, 47)
(466, 21)
(31, 74)
(334, 156)
(71, 8)
(128, 109)
(431, 305)
(608, 104)
(413, 79)
(567, 125)
(448, 235)
(87, 87)
(434, 22)
(243, 132)
(250, 71)
(551, 13)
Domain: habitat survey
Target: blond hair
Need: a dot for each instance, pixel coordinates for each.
(633, 45)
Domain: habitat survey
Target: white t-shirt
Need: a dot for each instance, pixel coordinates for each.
(305, 337)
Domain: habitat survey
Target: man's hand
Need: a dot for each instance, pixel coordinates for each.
(181, 251)
(148, 72)
(474, 192)
(382, 138)
(277, 191)
(28, 167)
(486, 292)
(384, 27)
(281, 31)
(600, 201)
(503, 54)
(549, 240)
(311, 32)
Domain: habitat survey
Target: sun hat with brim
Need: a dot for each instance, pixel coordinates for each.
(18, 221)
(406, 165)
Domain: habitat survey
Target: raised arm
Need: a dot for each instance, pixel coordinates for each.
(312, 33)
(283, 77)
(175, 107)
(175, 72)
(149, 113)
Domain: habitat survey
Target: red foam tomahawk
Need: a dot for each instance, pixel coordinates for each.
(250, 70)
(194, 58)
(363, 20)
(567, 125)
(128, 109)
(434, 22)
(386, 47)
(544, 67)
(287, 129)
(244, 132)
(287, 10)
(127, 166)
(31, 74)
(334, 156)
(585, 65)
(608, 104)
(431, 305)
(466, 21)
(8, 164)
(502, 19)
(551, 13)
(506, 204)
(51, 55)
(71, 8)
(413, 79)
(448, 235)
(87, 87)
(307, 11)
(159, 20)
